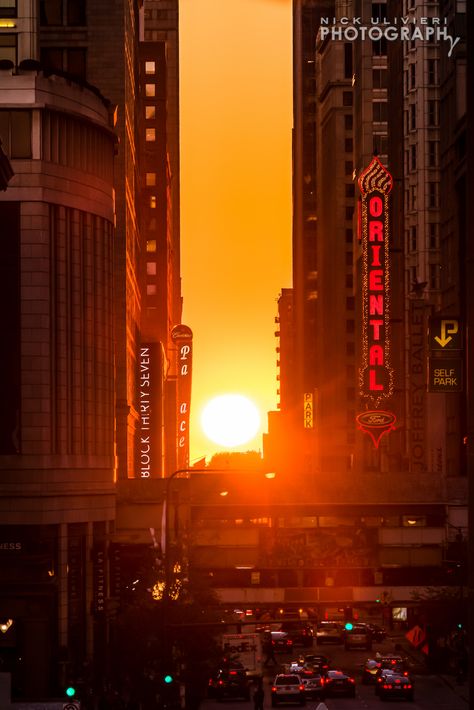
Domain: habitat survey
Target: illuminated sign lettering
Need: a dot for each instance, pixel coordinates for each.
(182, 336)
(308, 410)
(375, 374)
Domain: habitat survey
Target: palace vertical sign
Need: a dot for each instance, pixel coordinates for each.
(182, 336)
(375, 374)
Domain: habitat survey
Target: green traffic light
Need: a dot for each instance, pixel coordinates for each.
(348, 626)
(168, 678)
(70, 692)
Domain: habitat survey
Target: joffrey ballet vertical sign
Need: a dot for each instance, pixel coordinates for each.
(182, 336)
(375, 374)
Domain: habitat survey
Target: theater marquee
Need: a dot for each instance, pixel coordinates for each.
(375, 374)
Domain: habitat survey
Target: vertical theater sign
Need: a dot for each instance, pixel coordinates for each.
(375, 374)
(182, 336)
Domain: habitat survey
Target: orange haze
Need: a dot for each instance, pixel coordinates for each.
(236, 118)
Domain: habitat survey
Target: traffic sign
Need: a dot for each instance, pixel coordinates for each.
(445, 375)
(445, 334)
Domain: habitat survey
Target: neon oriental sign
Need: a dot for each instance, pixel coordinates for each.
(375, 373)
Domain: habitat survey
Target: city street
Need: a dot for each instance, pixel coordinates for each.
(432, 692)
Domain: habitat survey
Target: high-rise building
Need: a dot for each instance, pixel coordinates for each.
(77, 311)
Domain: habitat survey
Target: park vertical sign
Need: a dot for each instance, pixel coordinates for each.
(375, 373)
(182, 337)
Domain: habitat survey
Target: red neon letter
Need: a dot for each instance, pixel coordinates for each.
(376, 325)
(375, 206)
(375, 280)
(375, 231)
(375, 249)
(376, 355)
(372, 383)
(375, 305)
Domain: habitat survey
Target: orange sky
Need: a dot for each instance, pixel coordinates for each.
(236, 118)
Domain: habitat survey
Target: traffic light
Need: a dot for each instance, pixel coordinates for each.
(348, 626)
(168, 678)
(70, 691)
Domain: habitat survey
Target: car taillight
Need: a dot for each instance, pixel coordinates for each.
(221, 682)
(274, 689)
(387, 686)
(351, 680)
(301, 687)
(233, 673)
(408, 686)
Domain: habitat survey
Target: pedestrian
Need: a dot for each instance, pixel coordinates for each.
(268, 650)
(259, 697)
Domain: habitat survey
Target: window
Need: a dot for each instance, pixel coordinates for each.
(348, 167)
(350, 303)
(412, 71)
(15, 132)
(150, 67)
(413, 197)
(348, 145)
(379, 78)
(8, 8)
(379, 109)
(151, 289)
(413, 238)
(413, 157)
(150, 112)
(348, 60)
(432, 72)
(350, 326)
(432, 154)
(150, 179)
(153, 202)
(62, 12)
(349, 213)
(347, 98)
(379, 10)
(432, 194)
(433, 236)
(348, 236)
(379, 48)
(434, 276)
(150, 134)
(350, 189)
(152, 224)
(432, 113)
(348, 258)
(349, 281)
(350, 348)
(8, 47)
(151, 268)
(412, 117)
(151, 245)
(150, 89)
(348, 121)
(59, 59)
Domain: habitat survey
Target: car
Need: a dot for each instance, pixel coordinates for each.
(358, 636)
(337, 682)
(300, 632)
(329, 632)
(232, 683)
(393, 662)
(288, 687)
(281, 642)
(313, 682)
(378, 632)
(384, 673)
(370, 671)
(396, 685)
(316, 661)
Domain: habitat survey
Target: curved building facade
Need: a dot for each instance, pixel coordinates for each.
(57, 455)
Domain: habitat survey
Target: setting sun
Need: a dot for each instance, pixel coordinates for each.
(230, 420)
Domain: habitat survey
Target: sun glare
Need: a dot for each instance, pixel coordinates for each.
(230, 420)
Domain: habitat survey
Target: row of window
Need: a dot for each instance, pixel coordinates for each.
(432, 156)
(431, 75)
(432, 237)
(432, 116)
